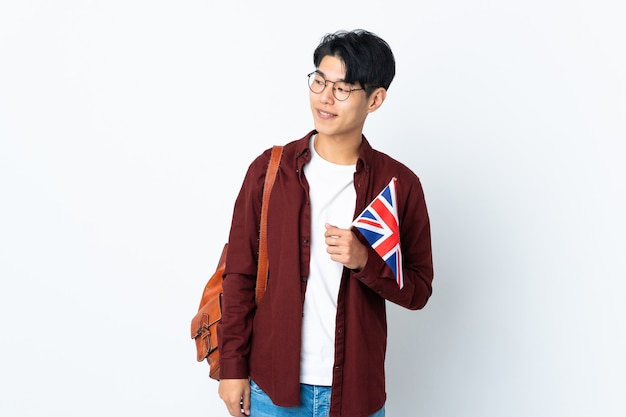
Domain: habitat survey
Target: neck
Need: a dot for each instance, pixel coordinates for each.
(341, 151)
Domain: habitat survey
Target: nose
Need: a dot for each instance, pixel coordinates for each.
(326, 96)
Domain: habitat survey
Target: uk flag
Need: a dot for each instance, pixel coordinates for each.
(380, 226)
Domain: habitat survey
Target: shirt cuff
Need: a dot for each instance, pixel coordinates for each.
(233, 368)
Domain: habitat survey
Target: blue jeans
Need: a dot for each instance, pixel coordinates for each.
(314, 402)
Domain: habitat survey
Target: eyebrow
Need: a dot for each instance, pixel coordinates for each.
(324, 76)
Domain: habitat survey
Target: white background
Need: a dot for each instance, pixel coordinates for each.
(125, 131)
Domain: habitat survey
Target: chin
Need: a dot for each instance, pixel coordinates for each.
(323, 128)
(324, 132)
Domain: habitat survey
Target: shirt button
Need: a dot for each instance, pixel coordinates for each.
(304, 279)
(305, 240)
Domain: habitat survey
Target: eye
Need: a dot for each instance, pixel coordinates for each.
(343, 88)
(319, 81)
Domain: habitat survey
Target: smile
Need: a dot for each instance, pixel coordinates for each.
(325, 115)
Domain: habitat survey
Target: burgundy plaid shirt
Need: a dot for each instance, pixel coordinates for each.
(264, 344)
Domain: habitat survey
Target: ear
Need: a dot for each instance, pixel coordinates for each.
(376, 99)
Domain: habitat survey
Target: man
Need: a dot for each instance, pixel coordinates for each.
(316, 344)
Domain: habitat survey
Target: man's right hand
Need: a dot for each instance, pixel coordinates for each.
(236, 395)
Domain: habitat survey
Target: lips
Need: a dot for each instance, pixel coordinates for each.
(325, 115)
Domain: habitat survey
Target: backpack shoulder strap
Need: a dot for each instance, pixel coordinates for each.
(270, 176)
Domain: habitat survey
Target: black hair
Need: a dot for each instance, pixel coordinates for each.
(367, 58)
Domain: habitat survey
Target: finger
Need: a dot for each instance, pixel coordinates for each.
(245, 404)
(235, 408)
(334, 244)
(331, 230)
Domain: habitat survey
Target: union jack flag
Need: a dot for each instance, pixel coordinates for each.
(380, 226)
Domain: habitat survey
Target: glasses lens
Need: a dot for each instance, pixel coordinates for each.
(341, 91)
(316, 82)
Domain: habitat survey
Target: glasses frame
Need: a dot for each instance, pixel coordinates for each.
(326, 83)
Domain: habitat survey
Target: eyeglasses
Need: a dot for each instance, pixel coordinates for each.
(341, 89)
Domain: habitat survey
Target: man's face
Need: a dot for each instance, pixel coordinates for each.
(336, 118)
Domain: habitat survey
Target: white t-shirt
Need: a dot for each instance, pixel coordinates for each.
(333, 199)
